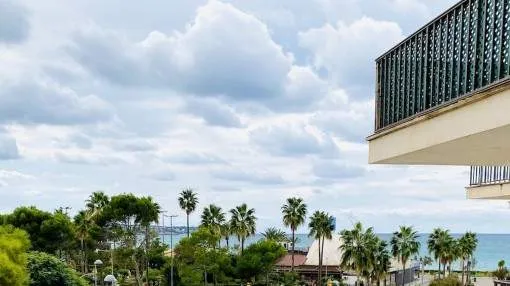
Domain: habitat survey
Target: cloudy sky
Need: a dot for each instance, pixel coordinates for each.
(244, 101)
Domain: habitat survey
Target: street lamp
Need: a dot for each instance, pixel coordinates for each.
(96, 264)
(171, 248)
(111, 255)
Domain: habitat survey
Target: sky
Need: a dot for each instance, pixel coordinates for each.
(243, 101)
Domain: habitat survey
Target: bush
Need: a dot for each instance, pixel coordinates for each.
(448, 281)
(48, 270)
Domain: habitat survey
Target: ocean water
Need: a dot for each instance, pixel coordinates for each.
(491, 247)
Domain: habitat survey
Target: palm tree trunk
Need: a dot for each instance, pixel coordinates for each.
(403, 273)
(439, 270)
(463, 270)
(226, 240)
(187, 223)
(449, 268)
(320, 266)
(82, 257)
(322, 255)
(444, 270)
(242, 245)
(292, 265)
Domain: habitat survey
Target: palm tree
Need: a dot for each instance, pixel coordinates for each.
(226, 232)
(242, 223)
(96, 202)
(380, 259)
(213, 219)
(294, 214)
(275, 234)
(84, 223)
(466, 247)
(357, 245)
(188, 202)
(439, 244)
(320, 229)
(404, 244)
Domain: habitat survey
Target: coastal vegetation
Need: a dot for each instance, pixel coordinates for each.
(38, 247)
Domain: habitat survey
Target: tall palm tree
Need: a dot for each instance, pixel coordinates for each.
(188, 201)
(96, 202)
(242, 223)
(380, 259)
(226, 232)
(275, 234)
(439, 243)
(294, 214)
(84, 223)
(356, 248)
(405, 244)
(213, 219)
(466, 247)
(321, 229)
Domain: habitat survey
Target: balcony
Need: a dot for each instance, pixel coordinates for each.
(442, 94)
(489, 182)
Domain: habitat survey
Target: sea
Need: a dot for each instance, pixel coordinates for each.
(491, 247)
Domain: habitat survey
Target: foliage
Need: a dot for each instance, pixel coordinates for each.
(501, 272)
(47, 270)
(404, 245)
(198, 255)
(213, 218)
(242, 223)
(321, 229)
(448, 281)
(13, 260)
(440, 245)
(259, 258)
(294, 214)
(188, 201)
(275, 234)
(364, 253)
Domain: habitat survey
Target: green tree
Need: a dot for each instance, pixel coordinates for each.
(404, 245)
(188, 201)
(83, 225)
(275, 235)
(259, 259)
(226, 232)
(198, 256)
(294, 214)
(467, 245)
(48, 232)
(380, 259)
(439, 244)
(96, 202)
(356, 249)
(213, 219)
(242, 223)
(47, 270)
(14, 244)
(320, 226)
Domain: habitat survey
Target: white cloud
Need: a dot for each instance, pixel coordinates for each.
(14, 25)
(348, 51)
(8, 148)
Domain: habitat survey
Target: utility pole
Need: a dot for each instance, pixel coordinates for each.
(171, 249)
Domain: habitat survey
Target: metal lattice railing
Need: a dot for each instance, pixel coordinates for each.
(489, 175)
(463, 50)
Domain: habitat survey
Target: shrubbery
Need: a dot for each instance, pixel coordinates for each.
(448, 281)
(48, 270)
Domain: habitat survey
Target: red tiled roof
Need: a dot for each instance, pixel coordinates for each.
(286, 261)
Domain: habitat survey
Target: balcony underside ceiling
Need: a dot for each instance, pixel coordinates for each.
(470, 132)
(489, 192)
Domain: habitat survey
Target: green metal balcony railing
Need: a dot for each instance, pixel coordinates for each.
(464, 50)
(488, 175)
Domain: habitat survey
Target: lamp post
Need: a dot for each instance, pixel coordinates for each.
(111, 255)
(171, 249)
(96, 264)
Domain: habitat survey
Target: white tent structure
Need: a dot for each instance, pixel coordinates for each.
(332, 253)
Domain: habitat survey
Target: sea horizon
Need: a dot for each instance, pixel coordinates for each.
(492, 247)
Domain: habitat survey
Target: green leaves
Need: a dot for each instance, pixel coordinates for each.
(13, 260)
(188, 200)
(294, 213)
(47, 270)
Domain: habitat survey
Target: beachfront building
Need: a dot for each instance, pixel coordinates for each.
(443, 95)
(306, 264)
